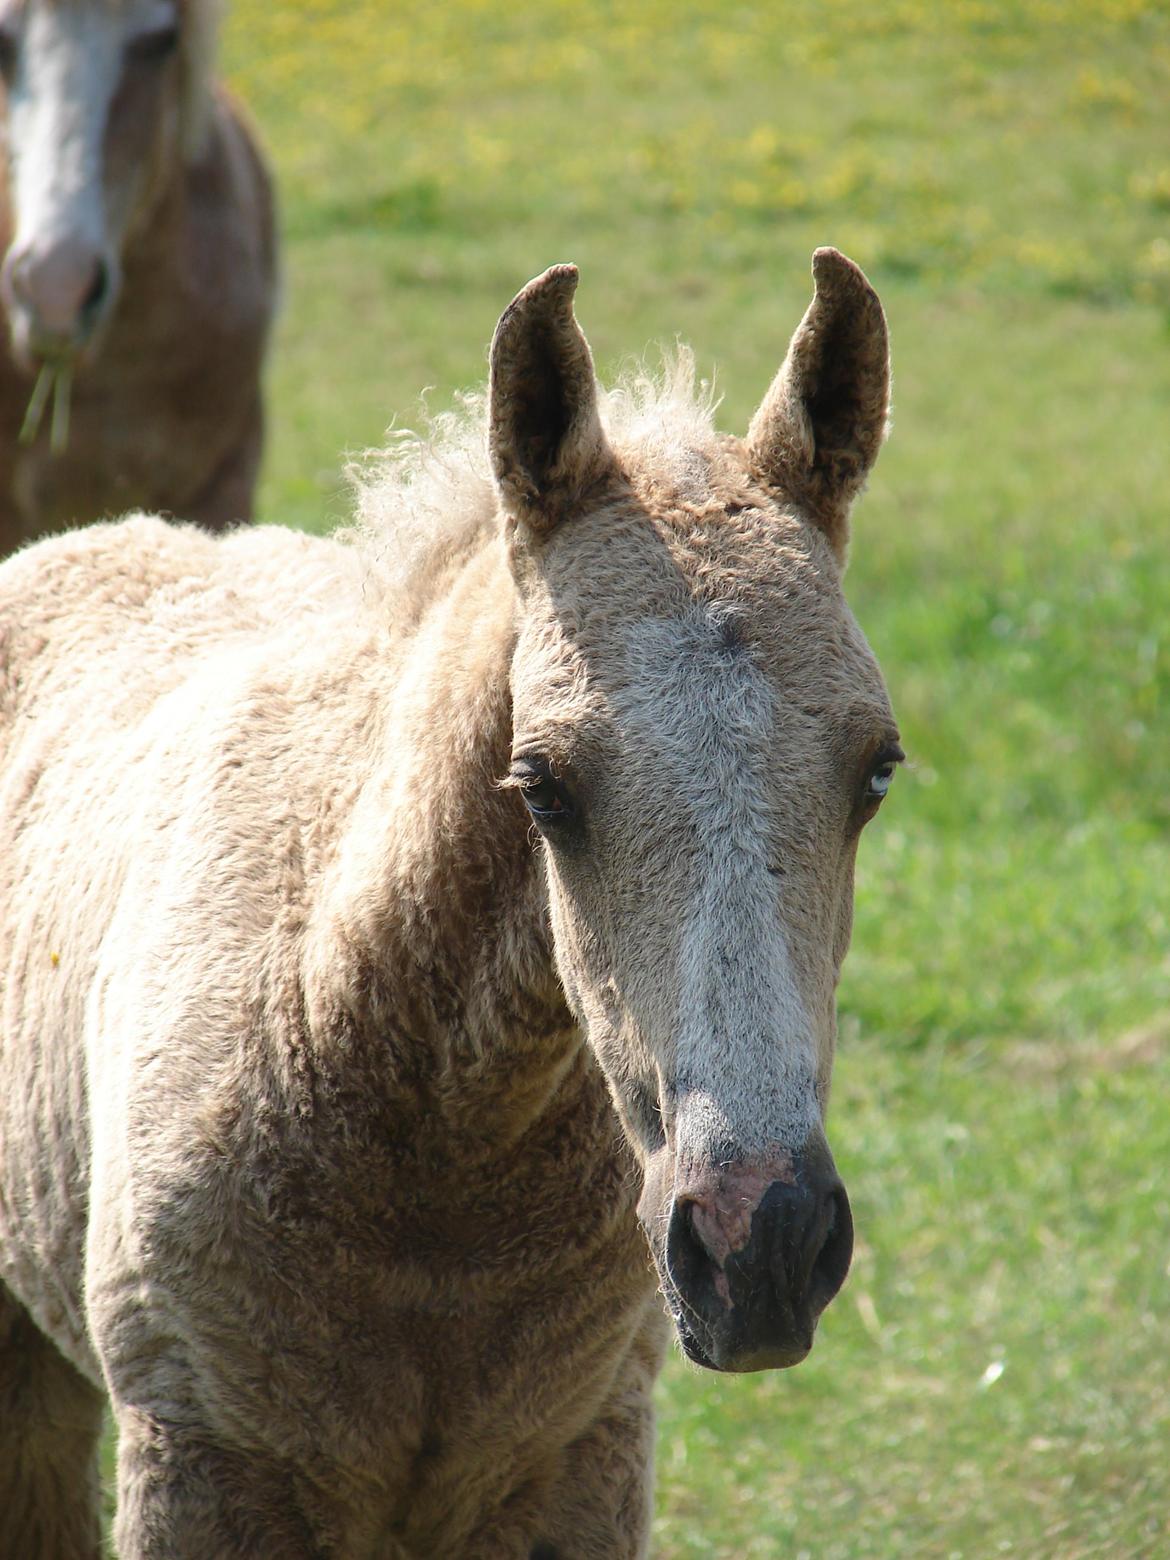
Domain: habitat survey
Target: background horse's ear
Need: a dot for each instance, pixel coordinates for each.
(547, 446)
(820, 426)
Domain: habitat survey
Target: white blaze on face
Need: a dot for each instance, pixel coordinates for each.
(69, 65)
(744, 1064)
(71, 61)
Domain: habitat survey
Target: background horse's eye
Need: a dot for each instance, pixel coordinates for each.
(881, 780)
(151, 48)
(8, 56)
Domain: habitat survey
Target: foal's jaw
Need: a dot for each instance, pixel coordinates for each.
(699, 915)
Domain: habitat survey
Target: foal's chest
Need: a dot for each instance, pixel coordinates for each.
(466, 1319)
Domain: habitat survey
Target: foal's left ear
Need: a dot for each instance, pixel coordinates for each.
(820, 426)
(547, 446)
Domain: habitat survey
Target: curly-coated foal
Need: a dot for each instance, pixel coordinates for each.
(418, 954)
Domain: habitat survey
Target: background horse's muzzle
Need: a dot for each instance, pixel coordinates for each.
(754, 1258)
(63, 288)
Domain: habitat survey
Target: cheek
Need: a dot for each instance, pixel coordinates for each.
(843, 925)
(571, 944)
(613, 1023)
(633, 1082)
(585, 972)
(140, 121)
(844, 932)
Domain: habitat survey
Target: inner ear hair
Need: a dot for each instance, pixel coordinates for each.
(818, 430)
(540, 411)
(547, 445)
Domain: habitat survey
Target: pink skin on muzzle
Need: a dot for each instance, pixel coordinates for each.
(58, 287)
(722, 1201)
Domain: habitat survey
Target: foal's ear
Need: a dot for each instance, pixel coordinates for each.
(820, 426)
(545, 435)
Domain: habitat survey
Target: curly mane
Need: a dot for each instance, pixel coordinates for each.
(427, 500)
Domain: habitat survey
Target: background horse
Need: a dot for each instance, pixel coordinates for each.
(400, 941)
(139, 276)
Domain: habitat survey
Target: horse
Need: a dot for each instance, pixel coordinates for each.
(417, 964)
(136, 223)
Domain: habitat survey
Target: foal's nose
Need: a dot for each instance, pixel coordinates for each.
(757, 1251)
(63, 286)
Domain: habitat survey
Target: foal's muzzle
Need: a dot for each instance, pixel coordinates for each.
(752, 1258)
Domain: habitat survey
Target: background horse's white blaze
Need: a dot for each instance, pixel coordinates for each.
(69, 64)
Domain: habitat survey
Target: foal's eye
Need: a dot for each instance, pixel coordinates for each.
(881, 780)
(546, 797)
(543, 796)
(151, 48)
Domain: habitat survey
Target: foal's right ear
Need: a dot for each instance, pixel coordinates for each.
(545, 436)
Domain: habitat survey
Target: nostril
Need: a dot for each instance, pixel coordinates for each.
(688, 1259)
(64, 288)
(92, 303)
(833, 1259)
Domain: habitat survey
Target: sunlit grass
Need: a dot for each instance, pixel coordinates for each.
(689, 157)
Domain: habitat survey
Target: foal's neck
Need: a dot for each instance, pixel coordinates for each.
(437, 924)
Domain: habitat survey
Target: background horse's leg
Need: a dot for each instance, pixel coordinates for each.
(50, 1426)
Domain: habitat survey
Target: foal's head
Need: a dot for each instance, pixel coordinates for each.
(700, 735)
(100, 99)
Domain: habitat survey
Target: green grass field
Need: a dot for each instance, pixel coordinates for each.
(993, 1380)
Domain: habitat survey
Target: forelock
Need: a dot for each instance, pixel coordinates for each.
(427, 500)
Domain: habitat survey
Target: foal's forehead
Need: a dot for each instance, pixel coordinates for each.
(705, 599)
(730, 570)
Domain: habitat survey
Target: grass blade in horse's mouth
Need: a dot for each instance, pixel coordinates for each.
(55, 378)
(35, 410)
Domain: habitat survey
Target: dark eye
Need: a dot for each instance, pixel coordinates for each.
(881, 780)
(8, 56)
(881, 775)
(151, 48)
(544, 795)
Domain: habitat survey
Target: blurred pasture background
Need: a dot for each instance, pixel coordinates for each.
(994, 1378)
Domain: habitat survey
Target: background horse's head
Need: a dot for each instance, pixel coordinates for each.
(700, 735)
(101, 98)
